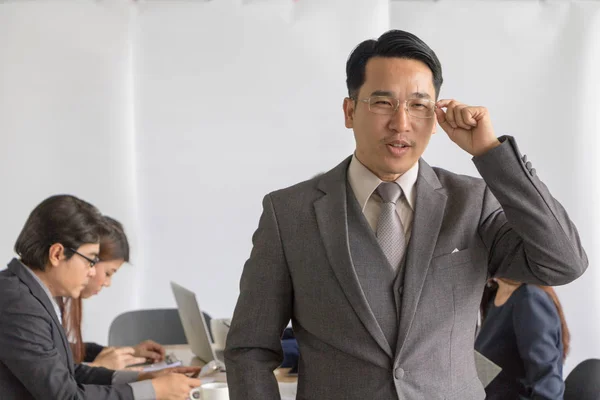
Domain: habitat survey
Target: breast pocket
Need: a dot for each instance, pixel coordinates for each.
(451, 259)
(460, 274)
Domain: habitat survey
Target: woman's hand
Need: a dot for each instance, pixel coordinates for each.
(150, 350)
(117, 358)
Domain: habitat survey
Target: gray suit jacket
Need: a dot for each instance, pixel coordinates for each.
(35, 356)
(300, 268)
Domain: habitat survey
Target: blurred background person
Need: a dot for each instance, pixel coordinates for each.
(523, 331)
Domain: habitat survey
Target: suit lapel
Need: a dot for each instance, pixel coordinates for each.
(17, 268)
(427, 221)
(331, 212)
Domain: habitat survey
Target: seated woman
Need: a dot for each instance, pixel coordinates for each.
(114, 252)
(58, 249)
(523, 331)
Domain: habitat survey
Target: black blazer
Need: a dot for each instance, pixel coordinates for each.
(91, 351)
(524, 337)
(35, 357)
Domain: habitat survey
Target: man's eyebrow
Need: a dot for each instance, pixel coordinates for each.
(417, 95)
(420, 95)
(382, 93)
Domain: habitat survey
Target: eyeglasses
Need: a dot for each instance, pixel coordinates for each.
(387, 105)
(92, 262)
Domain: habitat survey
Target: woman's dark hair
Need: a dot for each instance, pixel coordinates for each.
(63, 219)
(71, 312)
(392, 44)
(489, 293)
(113, 246)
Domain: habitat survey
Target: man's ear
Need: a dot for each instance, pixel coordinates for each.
(56, 253)
(349, 108)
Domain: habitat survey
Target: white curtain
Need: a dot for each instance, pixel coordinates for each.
(177, 117)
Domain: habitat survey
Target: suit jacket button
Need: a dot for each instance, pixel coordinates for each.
(528, 165)
(399, 373)
(524, 158)
(532, 171)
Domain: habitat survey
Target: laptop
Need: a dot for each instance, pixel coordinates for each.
(194, 325)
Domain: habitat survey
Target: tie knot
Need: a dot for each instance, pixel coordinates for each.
(389, 192)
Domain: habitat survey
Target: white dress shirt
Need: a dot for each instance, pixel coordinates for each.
(364, 182)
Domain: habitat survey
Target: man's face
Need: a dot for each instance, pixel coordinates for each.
(389, 145)
(74, 274)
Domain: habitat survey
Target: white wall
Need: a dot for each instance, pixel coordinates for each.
(65, 123)
(177, 118)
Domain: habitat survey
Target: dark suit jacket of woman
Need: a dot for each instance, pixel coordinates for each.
(35, 357)
(524, 337)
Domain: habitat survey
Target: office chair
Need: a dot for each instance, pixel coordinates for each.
(161, 325)
(583, 383)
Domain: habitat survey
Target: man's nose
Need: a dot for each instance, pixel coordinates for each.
(400, 120)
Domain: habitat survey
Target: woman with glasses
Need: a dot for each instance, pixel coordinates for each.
(58, 250)
(114, 252)
(525, 333)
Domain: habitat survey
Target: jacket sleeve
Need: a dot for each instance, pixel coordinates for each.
(84, 374)
(527, 232)
(538, 332)
(263, 309)
(91, 351)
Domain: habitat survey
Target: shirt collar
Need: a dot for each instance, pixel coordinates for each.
(47, 291)
(364, 182)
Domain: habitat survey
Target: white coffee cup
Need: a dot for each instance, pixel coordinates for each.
(219, 329)
(210, 391)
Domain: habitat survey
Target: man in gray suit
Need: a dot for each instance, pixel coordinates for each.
(380, 263)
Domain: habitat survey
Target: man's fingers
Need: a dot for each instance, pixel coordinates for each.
(458, 115)
(444, 103)
(468, 117)
(450, 119)
(449, 105)
(193, 382)
(441, 118)
(185, 370)
(462, 115)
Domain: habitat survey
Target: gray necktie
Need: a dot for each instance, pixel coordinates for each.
(390, 232)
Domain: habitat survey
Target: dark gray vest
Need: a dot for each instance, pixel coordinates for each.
(381, 286)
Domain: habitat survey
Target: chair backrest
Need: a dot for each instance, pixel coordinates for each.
(161, 325)
(583, 383)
